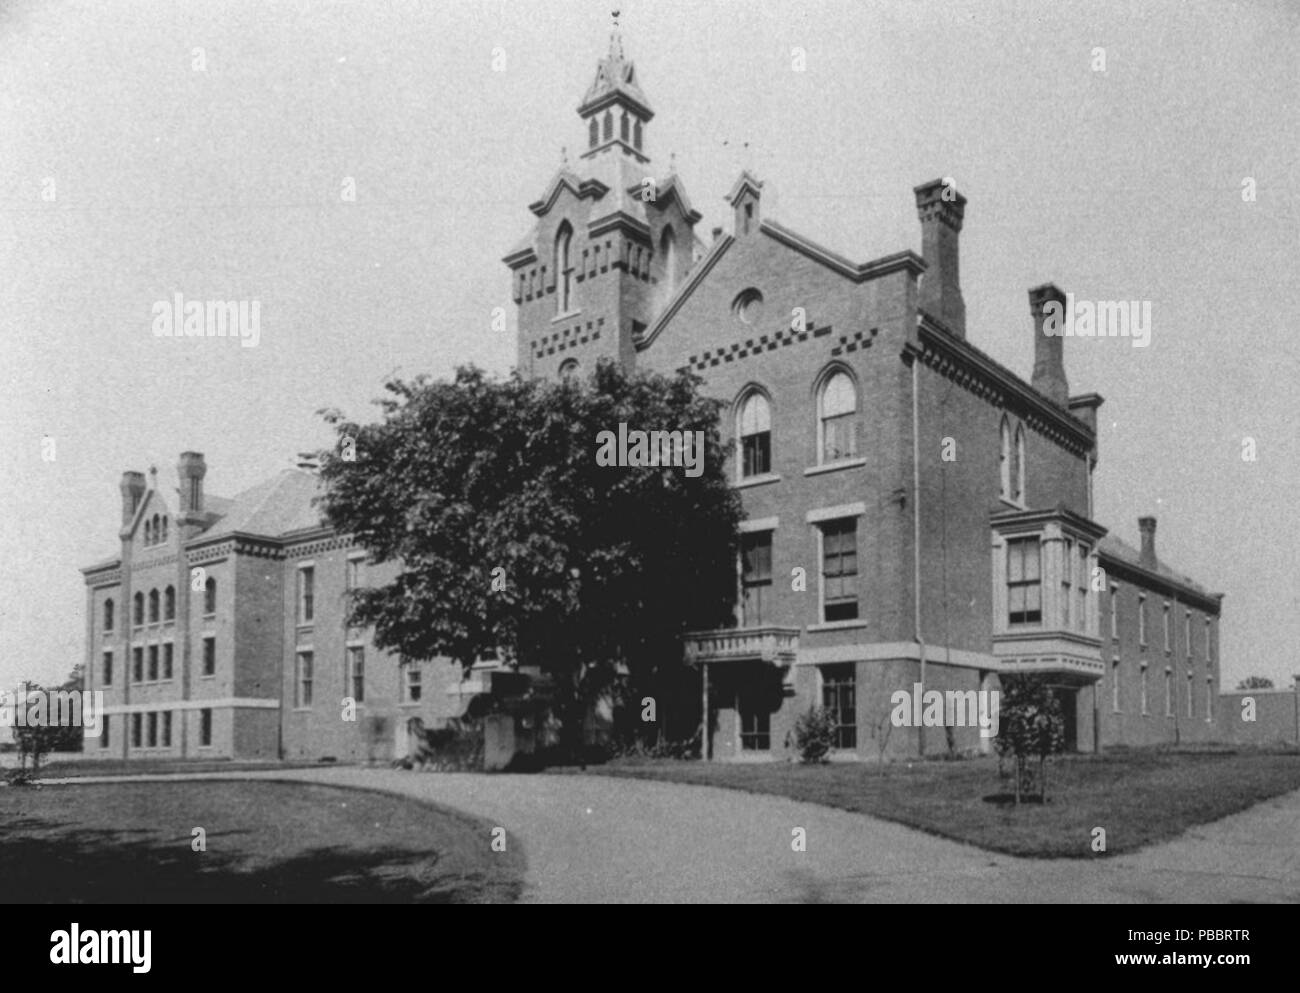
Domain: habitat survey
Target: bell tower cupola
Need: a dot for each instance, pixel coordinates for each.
(614, 111)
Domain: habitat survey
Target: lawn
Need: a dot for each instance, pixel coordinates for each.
(1140, 796)
(266, 843)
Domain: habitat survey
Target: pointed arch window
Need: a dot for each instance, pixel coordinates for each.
(169, 604)
(148, 533)
(593, 132)
(754, 429)
(608, 126)
(164, 529)
(622, 127)
(1018, 468)
(668, 255)
(138, 617)
(153, 606)
(108, 614)
(1004, 460)
(636, 134)
(837, 408)
(210, 596)
(563, 271)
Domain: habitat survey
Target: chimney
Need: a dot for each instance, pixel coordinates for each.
(1049, 350)
(132, 494)
(191, 469)
(1147, 525)
(941, 209)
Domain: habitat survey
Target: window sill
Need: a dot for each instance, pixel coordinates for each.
(817, 470)
(1015, 505)
(837, 625)
(760, 480)
(210, 617)
(566, 316)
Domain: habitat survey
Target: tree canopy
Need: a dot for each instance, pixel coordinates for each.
(512, 539)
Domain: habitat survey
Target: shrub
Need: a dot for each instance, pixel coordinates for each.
(814, 734)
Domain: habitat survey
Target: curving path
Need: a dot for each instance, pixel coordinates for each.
(596, 839)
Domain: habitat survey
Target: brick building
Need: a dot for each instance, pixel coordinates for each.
(916, 512)
(219, 632)
(938, 506)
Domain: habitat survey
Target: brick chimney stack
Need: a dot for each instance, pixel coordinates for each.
(191, 469)
(1147, 525)
(941, 210)
(132, 494)
(1049, 350)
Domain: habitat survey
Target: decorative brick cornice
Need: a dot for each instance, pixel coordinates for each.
(558, 341)
(102, 578)
(771, 342)
(959, 361)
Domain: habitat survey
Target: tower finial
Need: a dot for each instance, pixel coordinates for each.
(615, 38)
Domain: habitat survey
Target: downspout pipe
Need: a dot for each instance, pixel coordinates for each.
(916, 541)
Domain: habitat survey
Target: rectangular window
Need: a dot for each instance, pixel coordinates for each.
(1024, 582)
(755, 724)
(167, 729)
(107, 669)
(839, 696)
(840, 570)
(205, 727)
(1209, 704)
(1145, 711)
(169, 657)
(1114, 685)
(411, 688)
(1169, 693)
(354, 675)
(1187, 632)
(1165, 620)
(137, 664)
(1081, 590)
(153, 663)
(135, 730)
(152, 724)
(1191, 697)
(304, 680)
(209, 657)
(1142, 619)
(306, 594)
(755, 577)
(1209, 654)
(103, 736)
(356, 572)
(1067, 565)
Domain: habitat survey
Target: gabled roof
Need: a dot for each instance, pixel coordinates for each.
(1118, 551)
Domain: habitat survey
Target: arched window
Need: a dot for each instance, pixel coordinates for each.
(210, 596)
(636, 134)
(754, 429)
(1018, 469)
(108, 614)
(837, 420)
(169, 604)
(157, 528)
(563, 274)
(568, 368)
(609, 125)
(153, 606)
(593, 132)
(1004, 460)
(622, 126)
(148, 532)
(668, 257)
(139, 609)
(164, 529)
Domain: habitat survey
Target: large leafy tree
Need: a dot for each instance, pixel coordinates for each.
(512, 538)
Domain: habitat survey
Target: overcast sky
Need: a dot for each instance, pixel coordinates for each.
(217, 174)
